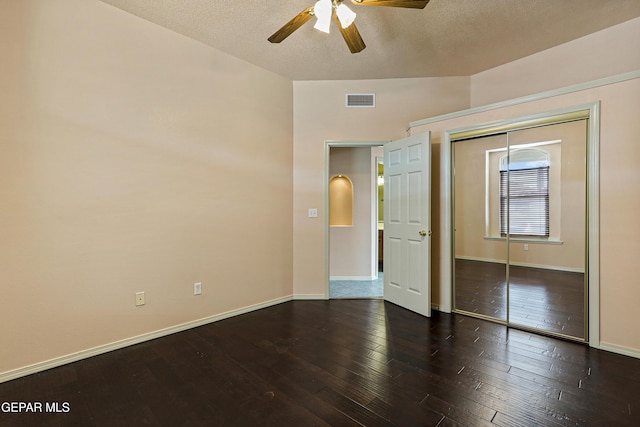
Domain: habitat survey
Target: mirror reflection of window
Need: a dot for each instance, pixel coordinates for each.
(524, 193)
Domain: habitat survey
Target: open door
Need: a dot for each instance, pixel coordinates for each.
(407, 223)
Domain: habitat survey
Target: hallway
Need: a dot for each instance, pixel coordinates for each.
(357, 288)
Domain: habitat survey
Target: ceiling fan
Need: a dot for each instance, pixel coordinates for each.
(323, 10)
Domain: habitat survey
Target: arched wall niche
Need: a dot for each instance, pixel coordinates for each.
(340, 201)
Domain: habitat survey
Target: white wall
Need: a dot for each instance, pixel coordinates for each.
(133, 159)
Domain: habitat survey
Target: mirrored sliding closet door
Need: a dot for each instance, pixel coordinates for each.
(519, 215)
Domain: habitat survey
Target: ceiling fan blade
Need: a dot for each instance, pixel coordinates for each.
(351, 35)
(414, 4)
(292, 25)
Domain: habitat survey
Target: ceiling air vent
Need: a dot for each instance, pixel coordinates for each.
(361, 100)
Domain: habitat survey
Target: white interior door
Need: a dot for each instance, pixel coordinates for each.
(407, 223)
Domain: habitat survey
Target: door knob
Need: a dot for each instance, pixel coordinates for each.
(422, 233)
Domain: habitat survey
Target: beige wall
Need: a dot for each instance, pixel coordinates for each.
(133, 159)
(619, 200)
(601, 54)
(596, 56)
(350, 252)
(320, 115)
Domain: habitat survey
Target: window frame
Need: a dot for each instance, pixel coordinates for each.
(526, 195)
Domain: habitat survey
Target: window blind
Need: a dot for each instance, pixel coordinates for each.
(524, 200)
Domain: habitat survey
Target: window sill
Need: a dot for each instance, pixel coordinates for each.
(541, 241)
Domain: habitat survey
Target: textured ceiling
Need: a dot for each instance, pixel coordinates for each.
(446, 38)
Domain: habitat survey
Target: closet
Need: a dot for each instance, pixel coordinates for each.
(520, 237)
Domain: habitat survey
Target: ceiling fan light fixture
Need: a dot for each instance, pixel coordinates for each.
(327, 10)
(345, 15)
(322, 10)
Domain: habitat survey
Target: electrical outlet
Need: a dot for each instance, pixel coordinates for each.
(197, 288)
(139, 299)
(313, 213)
(526, 247)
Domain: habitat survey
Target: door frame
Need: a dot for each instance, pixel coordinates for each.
(328, 144)
(590, 111)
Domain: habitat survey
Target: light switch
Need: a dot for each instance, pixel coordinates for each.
(313, 213)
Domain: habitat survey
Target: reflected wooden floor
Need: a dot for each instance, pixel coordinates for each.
(549, 300)
(340, 363)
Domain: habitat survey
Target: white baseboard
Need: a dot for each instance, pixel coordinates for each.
(84, 354)
(620, 350)
(358, 278)
(311, 297)
(523, 264)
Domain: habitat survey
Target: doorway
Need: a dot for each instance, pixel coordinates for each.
(407, 220)
(354, 254)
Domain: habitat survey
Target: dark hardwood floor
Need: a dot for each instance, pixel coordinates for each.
(339, 363)
(550, 300)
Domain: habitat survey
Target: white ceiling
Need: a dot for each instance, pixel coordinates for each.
(446, 38)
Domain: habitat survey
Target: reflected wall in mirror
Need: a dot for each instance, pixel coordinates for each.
(480, 264)
(520, 227)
